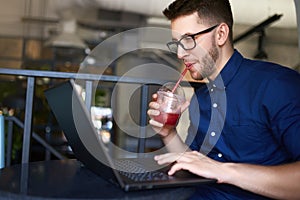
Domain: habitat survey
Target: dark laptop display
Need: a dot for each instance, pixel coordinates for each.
(130, 174)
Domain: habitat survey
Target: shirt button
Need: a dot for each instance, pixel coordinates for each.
(213, 134)
(212, 89)
(214, 86)
(220, 155)
(215, 105)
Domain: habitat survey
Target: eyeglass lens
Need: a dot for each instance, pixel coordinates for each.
(187, 43)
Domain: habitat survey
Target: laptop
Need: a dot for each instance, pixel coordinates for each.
(130, 174)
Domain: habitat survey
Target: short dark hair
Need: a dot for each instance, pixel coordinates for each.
(210, 12)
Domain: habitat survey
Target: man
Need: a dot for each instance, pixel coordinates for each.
(248, 135)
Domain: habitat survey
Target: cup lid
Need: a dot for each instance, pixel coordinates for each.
(168, 87)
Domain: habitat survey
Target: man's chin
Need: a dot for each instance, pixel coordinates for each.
(198, 77)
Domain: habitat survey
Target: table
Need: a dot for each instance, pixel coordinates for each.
(69, 179)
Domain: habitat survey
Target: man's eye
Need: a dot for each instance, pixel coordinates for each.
(187, 39)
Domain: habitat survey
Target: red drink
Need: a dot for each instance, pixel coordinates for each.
(170, 119)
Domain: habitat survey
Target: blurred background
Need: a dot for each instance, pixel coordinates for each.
(57, 35)
(29, 26)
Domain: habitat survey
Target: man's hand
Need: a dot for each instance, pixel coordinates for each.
(153, 112)
(194, 162)
(278, 182)
(161, 129)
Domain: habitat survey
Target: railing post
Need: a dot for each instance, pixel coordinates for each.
(2, 141)
(28, 119)
(9, 141)
(143, 119)
(88, 94)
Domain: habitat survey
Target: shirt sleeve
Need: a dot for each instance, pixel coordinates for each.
(282, 105)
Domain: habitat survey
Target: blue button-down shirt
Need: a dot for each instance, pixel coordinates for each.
(249, 114)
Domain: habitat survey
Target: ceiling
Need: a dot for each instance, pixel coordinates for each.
(245, 11)
(50, 12)
(52, 16)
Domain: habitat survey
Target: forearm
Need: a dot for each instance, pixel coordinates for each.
(279, 182)
(174, 143)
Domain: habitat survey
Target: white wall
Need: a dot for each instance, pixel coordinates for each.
(281, 45)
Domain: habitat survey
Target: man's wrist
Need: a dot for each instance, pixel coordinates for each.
(170, 134)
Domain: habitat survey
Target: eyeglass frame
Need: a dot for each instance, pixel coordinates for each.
(192, 36)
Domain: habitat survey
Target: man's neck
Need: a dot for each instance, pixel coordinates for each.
(225, 55)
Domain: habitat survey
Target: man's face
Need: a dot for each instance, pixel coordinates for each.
(204, 56)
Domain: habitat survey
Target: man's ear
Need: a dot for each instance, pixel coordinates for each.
(222, 34)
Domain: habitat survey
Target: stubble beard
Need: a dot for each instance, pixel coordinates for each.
(208, 62)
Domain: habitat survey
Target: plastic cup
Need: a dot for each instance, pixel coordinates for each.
(170, 104)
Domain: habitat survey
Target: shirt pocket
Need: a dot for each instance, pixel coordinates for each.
(248, 141)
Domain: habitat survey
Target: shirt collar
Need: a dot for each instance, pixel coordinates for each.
(228, 72)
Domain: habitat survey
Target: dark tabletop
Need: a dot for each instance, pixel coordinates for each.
(68, 179)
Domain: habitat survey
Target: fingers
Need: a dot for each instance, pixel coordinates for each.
(155, 123)
(184, 160)
(191, 161)
(153, 113)
(187, 157)
(172, 157)
(166, 158)
(154, 109)
(154, 105)
(176, 167)
(154, 97)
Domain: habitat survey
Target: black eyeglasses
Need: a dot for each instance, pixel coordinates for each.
(187, 42)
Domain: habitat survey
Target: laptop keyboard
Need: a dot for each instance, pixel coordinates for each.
(137, 172)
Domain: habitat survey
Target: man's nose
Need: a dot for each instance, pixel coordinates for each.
(181, 52)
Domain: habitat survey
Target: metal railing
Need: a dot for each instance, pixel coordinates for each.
(32, 75)
(14, 120)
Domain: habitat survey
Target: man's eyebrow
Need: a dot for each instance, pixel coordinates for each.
(181, 36)
(187, 34)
